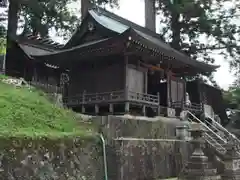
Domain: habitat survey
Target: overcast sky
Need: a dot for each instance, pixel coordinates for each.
(133, 10)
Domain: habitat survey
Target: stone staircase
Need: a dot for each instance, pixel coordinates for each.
(221, 146)
(216, 152)
(214, 133)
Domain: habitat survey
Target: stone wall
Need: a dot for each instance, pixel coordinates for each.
(137, 127)
(141, 160)
(45, 159)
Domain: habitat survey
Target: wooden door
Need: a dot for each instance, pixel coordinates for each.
(135, 80)
(176, 91)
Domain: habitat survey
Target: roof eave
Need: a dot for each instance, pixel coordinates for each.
(201, 66)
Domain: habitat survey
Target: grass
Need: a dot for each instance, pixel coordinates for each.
(27, 112)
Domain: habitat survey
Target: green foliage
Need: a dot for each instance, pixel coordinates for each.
(28, 113)
(42, 16)
(187, 22)
(2, 45)
(3, 3)
(232, 98)
(232, 101)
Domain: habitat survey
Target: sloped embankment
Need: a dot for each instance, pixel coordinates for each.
(41, 141)
(26, 111)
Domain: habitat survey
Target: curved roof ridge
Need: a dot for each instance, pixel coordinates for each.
(120, 19)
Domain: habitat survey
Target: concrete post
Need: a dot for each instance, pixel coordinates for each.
(182, 132)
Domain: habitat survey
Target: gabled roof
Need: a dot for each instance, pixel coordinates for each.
(114, 23)
(79, 52)
(119, 25)
(45, 42)
(33, 45)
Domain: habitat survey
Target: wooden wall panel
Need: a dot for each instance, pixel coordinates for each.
(101, 76)
(135, 80)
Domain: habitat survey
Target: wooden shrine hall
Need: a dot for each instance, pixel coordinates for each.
(116, 66)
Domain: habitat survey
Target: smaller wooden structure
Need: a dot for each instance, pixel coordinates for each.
(208, 97)
(21, 61)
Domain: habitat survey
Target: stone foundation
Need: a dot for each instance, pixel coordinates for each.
(137, 127)
(61, 159)
(138, 159)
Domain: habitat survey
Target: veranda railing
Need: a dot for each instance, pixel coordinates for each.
(113, 96)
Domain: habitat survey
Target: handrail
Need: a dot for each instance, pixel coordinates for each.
(220, 151)
(210, 124)
(144, 94)
(215, 122)
(223, 129)
(195, 107)
(219, 137)
(46, 86)
(214, 141)
(112, 96)
(101, 93)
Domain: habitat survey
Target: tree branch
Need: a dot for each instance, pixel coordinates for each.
(216, 48)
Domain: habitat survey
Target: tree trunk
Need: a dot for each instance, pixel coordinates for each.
(176, 30)
(11, 33)
(85, 6)
(12, 18)
(150, 15)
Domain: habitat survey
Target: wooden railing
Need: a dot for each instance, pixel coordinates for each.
(108, 97)
(85, 98)
(143, 98)
(194, 107)
(48, 88)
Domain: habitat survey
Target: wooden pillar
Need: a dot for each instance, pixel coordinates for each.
(158, 95)
(146, 81)
(35, 75)
(144, 110)
(83, 109)
(184, 94)
(83, 101)
(127, 107)
(158, 110)
(168, 89)
(96, 109)
(111, 110)
(83, 96)
(159, 101)
(201, 98)
(126, 77)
